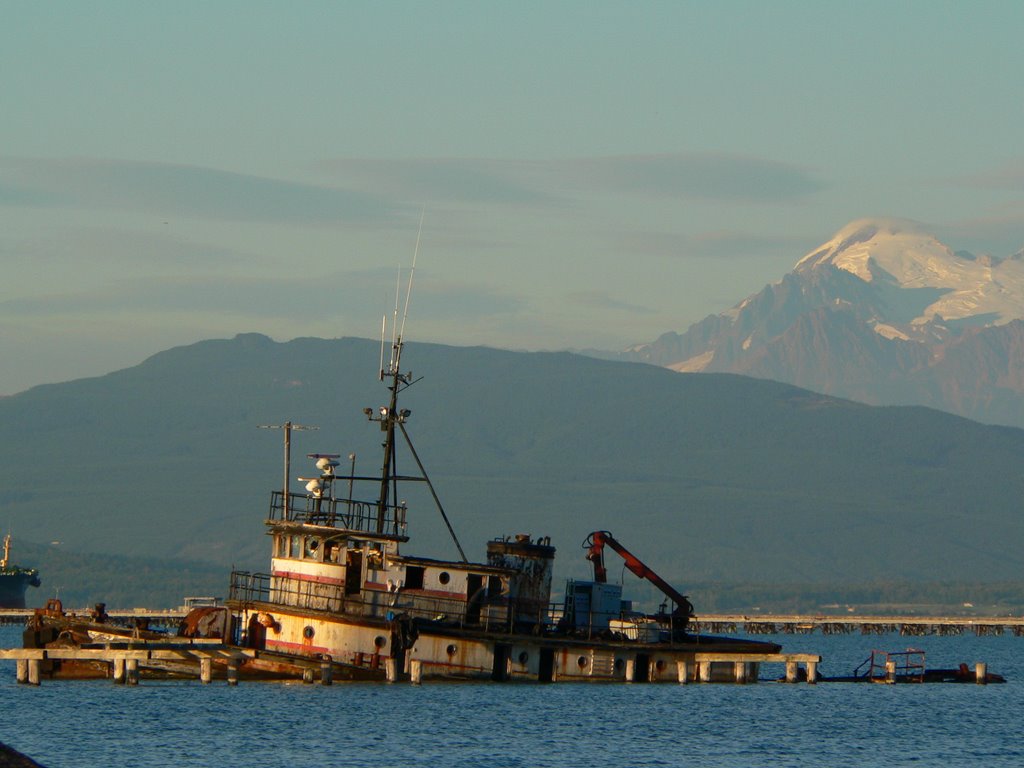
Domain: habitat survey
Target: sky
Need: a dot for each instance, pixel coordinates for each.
(588, 174)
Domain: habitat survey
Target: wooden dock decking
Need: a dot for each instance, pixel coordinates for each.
(124, 658)
(754, 624)
(160, 617)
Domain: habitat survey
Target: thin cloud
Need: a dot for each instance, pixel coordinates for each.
(713, 245)
(604, 302)
(64, 245)
(1010, 176)
(180, 190)
(352, 294)
(504, 182)
(716, 177)
(713, 177)
(1000, 233)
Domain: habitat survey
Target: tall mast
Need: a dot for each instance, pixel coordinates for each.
(387, 424)
(389, 416)
(286, 486)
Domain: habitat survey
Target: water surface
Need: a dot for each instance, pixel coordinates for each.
(95, 723)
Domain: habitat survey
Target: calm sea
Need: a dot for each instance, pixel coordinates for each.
(84, 724)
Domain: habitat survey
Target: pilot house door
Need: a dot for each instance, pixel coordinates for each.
(354, 572)
(474, 597)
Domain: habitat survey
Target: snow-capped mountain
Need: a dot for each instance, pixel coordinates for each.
(958, 287)
(883, 313)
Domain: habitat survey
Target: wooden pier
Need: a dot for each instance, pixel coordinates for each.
(160, 617)
(195, 658)
(181, 658)
(911, 626)
(753, 624)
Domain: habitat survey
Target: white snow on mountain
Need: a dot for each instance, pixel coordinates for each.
(900, 253)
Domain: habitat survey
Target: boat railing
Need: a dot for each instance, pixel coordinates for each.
(888, 666)
(262, 590)
(348, 514)
(483, 612)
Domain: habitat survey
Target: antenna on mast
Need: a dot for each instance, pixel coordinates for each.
(398, 332)
(394, 321)
(412, 273)
(383, 330)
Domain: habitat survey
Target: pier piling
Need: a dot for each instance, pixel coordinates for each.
(131, 672)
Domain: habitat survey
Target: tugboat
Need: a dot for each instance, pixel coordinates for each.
(341, 594)
(14, 580)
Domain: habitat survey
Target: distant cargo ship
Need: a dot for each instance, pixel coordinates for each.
(14, 580)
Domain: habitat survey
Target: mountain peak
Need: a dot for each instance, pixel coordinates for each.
(899, 247)
(901, 254)
(882, 312)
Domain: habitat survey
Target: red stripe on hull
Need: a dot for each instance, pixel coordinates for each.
(309, 577)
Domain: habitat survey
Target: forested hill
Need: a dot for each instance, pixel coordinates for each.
(707, 477)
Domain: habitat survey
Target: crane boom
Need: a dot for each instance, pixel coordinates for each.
(595, 545)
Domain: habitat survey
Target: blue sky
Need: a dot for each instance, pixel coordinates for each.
(591, 174)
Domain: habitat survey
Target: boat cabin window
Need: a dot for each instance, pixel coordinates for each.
(414, 577)
(312, 549)
(331, 551)
(282, 546)
(294, 546)
(375, 555)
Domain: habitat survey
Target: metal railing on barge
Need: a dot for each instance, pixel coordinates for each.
(255, 590)
(487, 613)
(345, 514)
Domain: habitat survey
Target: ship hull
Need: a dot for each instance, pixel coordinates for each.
(403, 649)
(13, 587)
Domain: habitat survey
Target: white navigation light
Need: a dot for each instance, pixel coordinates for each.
(313, 487)
(383, 412)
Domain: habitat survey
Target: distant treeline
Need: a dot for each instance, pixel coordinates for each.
(81, 579)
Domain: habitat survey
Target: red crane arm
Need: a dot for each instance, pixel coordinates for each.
(595, 545)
